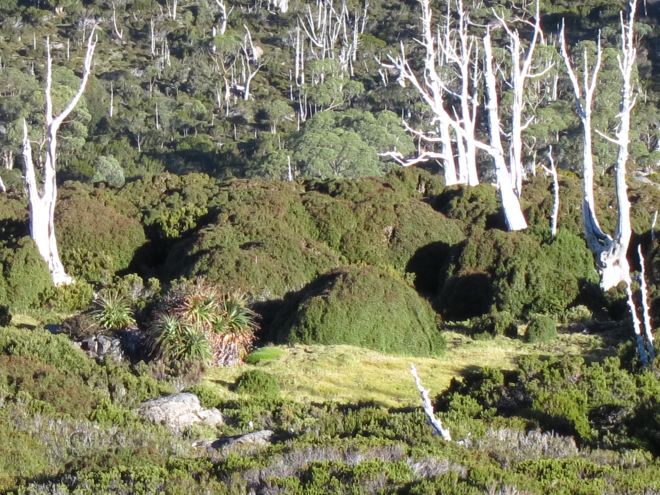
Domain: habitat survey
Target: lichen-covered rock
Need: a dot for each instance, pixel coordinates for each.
(179, 411)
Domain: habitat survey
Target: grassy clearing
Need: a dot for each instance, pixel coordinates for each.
(350, 375)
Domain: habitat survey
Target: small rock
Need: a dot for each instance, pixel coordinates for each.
(257, 438)
(179, 411)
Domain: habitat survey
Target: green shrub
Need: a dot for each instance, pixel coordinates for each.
(476, 207)
(96, 239)
(24, 275)
(495, 271)
(360, 306)
(268, 238)
(541, 328)
(260, 242)
(499, 323)
(64, 392)
(257, 383)
(112, 311)
(71, 297)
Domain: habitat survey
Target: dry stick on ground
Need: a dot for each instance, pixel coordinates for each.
(428, 407)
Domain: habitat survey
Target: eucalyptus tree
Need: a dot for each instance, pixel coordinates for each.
(42, 194)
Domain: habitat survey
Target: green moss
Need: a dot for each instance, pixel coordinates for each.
(264, 354)
(360, 306)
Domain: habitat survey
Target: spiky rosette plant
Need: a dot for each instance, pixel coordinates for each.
(233, 333)
(196, 324)
(112, 311)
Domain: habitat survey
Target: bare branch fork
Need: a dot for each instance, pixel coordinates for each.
(42, 200)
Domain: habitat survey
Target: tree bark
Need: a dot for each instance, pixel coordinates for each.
(42, 199)
(513, 214)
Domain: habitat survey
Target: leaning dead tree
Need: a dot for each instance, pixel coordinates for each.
(42, 194)
(610, 251)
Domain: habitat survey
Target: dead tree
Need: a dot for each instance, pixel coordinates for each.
(43, 196)
(431, 88)
(513, 214)
(428, 407)
(610, 251)
(521, 72)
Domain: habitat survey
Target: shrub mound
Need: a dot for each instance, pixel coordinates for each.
(24, 274)
(96, 239)
(541, 328)
(260, 242)
(269, 238)
(495, 271)
(257, 383)
(364, 307)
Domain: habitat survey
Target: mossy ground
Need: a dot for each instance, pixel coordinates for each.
(346, 374)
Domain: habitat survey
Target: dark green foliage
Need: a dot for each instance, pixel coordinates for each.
(96, 239)
(499, 323)
(599, 403)
(260, 242)
(5, 316)
(72, 297)
(257, 383)
(541, 328)
(24, 275)
(271, 238)
(476, 207)
(514, 272)
(360, 306)
(172, 205)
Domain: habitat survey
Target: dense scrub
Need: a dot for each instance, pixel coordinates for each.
(99, 235)
(268, 238)
(364, 307)
(359, 448)
(515, 272)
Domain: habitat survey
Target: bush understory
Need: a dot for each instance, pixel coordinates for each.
(371, 263)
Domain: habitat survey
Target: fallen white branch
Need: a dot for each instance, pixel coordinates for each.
(428, 407)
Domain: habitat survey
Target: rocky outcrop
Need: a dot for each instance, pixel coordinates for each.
(179, 411)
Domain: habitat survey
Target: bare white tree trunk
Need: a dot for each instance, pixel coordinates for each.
(250, 60)
(428, 407)
(610, 252)
(225, 15)
(431, 89)
(3, 188)
(552, 171)
(513, 214)
(521, 65)
(42, 199)
(118, 32)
